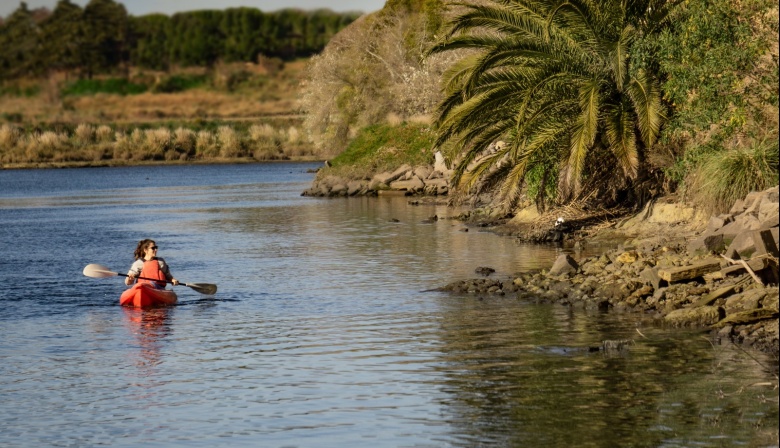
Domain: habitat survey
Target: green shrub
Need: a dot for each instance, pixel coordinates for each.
(180, 83)
(723, 177)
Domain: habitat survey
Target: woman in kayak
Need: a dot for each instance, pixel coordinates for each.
(148, 265)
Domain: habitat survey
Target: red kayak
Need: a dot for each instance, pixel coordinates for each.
(144, 295)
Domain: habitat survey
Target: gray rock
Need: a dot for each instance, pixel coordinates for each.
(423, 172)
(695, 317)
(386, 177)
(354, 187)
(415, 184)
(484, 270)
(748, 300)
(716, 222)
(650, 276)
(565, 264)
(738, 207)
(707, 244)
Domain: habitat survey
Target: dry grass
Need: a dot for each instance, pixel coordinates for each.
(102, 125)
(276, 96)
(206, 144)
(184, 140)
(84, 133)
(9, 136)
(104, 134)
(229, 143)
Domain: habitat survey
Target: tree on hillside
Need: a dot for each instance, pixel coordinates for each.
(719, 62)
(63, 37)
(195, 38)
(151, 43)
(103, 37)
(552, 80)
(243, 37)
(107, 27)
(20, 41)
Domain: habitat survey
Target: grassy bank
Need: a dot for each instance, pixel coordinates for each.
(384, 147)
(109, 144)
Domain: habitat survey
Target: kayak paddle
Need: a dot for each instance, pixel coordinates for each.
(99, 271)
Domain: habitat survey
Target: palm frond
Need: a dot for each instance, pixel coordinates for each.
(619, 56)
(551, 78)
(582, 137)
(620, 134)
(646, 98)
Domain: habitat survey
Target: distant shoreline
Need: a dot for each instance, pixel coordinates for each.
(125, 163)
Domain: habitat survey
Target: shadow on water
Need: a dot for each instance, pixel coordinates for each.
(212, 300)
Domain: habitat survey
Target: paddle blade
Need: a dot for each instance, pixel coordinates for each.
(98, 271)
(203, 288)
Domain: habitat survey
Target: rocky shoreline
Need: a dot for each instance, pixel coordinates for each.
(720, 275)
(429, 180)
(723, 279)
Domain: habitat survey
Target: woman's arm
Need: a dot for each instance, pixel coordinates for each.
(167, 271)
(135, 271)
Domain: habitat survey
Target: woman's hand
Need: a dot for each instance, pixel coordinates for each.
(174, 281)
(129, 279)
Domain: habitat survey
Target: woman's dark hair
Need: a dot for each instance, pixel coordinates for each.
(140, 251)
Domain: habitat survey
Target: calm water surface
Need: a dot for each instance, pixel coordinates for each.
(323, 332)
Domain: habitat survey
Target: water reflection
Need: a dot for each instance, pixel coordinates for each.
(523, 375)
(148, 327)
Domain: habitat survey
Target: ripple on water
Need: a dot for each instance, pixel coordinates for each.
(320, 334)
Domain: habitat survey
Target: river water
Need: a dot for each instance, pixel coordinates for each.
(324, 331)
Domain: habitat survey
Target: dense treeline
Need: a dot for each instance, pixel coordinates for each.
(103, 38)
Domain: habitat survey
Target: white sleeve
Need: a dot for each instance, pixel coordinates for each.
(165, 269)
(136, 268)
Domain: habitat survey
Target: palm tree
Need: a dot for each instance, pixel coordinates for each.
(551, 79)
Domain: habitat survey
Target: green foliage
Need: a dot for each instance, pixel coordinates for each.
(151, 41)
(717, 66)
(723, 177)
(549, 78)
(180, 83)
(118, 86)
(541, 183)
(19, 41)
(102, 38)
(64, 33)
(107, 26)
(384, 147)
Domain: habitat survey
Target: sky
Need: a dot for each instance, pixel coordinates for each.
(169, 7)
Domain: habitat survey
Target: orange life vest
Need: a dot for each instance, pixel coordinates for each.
(152, 270)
